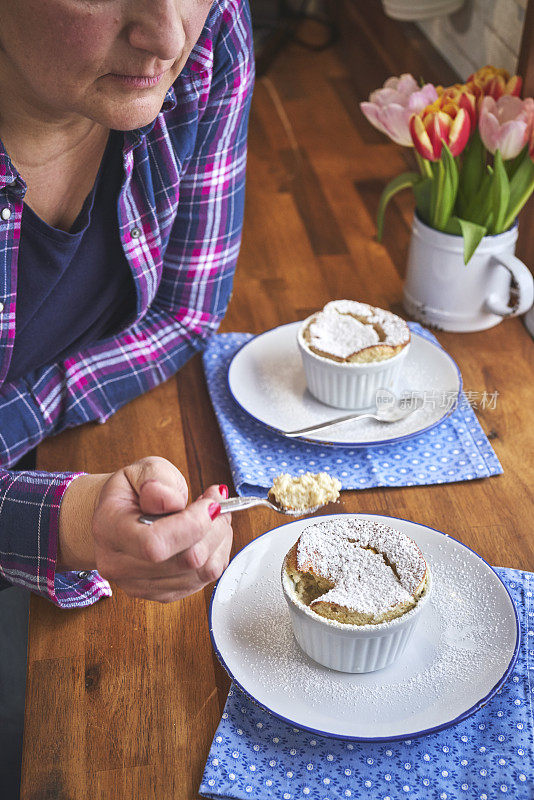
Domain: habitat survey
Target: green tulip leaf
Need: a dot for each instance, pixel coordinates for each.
(500, 193)
(422, 192)
(479, 209)
(521, 187)
(472, 172)
(453, 226)
(404, 181)
(471, 232)
(444, 189)
(513, 164)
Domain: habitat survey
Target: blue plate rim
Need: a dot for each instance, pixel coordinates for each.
(397, 737)
(322, 443)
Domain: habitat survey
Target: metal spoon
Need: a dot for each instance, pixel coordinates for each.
(383, 413)
(240, 504)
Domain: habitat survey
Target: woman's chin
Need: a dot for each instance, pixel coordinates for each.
(128, 110)
(131, 117)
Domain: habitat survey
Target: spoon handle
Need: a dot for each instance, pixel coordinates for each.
(240, 503)
(227, 505)
(327, 424)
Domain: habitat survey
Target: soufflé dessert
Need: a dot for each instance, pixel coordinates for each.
(347, 331)
(302, 492)
(351, 349)
(355, 588)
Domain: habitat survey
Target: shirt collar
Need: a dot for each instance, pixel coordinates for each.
(201, 56)
(8, 173)
(132, 138)
(170, 100)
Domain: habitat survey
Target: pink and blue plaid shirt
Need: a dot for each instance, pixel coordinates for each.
(180, 217)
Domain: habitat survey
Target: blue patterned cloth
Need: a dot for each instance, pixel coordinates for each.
(487, 756)
(455, 450)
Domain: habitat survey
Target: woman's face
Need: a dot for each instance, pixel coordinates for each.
(107, 60)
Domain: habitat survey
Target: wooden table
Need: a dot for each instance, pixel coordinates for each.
(123, 698)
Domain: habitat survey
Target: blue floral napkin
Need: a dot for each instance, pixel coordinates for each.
(455, 450)
(487, 756)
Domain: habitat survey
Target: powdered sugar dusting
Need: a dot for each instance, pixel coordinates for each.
(341, 335)
(336, 331)
(365, 581)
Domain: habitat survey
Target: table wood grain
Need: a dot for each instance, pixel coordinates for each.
(123, 698)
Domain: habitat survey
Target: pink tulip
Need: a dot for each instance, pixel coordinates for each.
(505, 124)
(389, 109)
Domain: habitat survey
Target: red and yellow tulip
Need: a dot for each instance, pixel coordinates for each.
(459, 94)
(444, 121)
(492, 82)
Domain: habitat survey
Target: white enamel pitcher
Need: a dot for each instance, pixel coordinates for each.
(443, 292)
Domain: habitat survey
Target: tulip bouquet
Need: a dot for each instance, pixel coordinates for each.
(474, 147)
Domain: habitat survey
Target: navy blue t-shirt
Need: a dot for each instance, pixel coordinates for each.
(75, 287)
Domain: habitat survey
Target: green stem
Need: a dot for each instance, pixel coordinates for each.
(436, 202)
(424, 165)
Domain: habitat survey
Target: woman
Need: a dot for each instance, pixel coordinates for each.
(122, 166)
(123, 125)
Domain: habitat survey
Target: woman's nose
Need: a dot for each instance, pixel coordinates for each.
(157, 27)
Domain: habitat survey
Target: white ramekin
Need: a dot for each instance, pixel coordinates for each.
(347, 385)
(351, 648)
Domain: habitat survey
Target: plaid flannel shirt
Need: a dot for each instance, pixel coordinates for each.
(180, 214)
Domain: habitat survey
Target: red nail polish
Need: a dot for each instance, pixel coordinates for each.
(223, 489)
(214, 510)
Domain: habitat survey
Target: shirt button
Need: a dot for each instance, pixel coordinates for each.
(135, 233)
(5, 213)
(83, 575)
(1, 307)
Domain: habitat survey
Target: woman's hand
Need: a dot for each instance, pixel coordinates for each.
(175, 556)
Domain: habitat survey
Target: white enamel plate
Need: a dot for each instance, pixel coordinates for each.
(462, 651)
(266, 379)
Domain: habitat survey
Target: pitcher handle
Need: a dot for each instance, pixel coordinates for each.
(524, 288)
